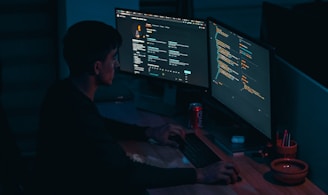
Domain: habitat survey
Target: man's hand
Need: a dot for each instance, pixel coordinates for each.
(161, 134)
(220, 172)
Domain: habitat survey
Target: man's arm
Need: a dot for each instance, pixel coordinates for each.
(125, 131)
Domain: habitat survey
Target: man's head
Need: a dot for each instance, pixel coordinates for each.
(88, 43)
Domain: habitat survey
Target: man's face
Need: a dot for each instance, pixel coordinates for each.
(107, 69)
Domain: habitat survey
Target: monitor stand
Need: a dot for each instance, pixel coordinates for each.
(222, 126)
(163, 103)
(253, 141)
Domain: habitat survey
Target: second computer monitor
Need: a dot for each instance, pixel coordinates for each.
(240, 76)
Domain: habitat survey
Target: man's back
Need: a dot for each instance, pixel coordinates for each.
(70, 157)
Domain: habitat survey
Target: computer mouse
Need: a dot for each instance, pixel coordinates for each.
(239, 179)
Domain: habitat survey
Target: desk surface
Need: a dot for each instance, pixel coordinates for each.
(255, 173)
(256, 176)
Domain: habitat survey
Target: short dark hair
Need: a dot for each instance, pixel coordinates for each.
(88, 41)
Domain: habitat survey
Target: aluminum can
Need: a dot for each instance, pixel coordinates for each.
(195, 115)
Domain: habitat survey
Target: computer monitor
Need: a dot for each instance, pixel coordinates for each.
(240, 81)
(171, 50)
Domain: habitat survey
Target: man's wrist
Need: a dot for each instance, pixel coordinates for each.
(148, 132)
(199, 176)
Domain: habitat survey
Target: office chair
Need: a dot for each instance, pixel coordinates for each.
(12, 169)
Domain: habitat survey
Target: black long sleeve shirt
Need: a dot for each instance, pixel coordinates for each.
(78, 152)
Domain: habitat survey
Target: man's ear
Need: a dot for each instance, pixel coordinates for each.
(97, 66)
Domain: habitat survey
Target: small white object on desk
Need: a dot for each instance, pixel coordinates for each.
(238, 139)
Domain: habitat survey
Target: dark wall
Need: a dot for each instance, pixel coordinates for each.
(28, 58)
(298, 35)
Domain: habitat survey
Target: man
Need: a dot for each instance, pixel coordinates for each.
(78, 150)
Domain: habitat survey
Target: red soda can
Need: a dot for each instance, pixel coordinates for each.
(195, 115)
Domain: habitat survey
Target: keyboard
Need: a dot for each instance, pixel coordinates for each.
(196, 151)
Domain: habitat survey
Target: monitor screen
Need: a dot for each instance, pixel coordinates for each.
(162, 47)
(240, 76)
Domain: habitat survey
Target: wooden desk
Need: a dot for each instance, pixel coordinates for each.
(256, 175)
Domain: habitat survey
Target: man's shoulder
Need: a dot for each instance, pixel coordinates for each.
(58, 93)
